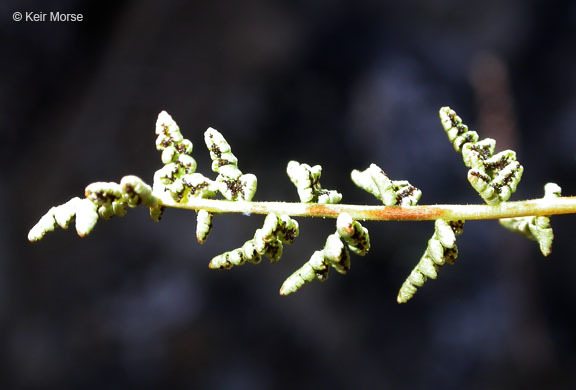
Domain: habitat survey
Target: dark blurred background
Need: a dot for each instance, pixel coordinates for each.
(336, 83)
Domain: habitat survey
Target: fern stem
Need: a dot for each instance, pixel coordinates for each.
(560, 205)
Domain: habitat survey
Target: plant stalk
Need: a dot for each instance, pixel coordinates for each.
(553, 206)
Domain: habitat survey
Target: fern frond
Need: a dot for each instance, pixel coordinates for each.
(536, 228)
(389, 192)
(103, 200)
(441, 249)
(494, 177)
(350, 235)
(267, 242)
(307, 182)
(177, 184)
(232, 183)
